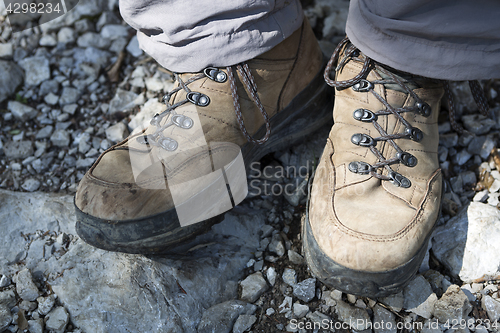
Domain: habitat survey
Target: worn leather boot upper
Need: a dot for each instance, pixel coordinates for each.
(376, 192)
(134, 178)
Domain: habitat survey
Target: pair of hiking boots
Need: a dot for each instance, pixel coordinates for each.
(375, 194)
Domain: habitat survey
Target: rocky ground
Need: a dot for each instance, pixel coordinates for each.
(72, 87)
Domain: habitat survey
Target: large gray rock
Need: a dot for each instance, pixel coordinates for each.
(115, 292)
(11, 78)
(220, 318)
(419, 298)
(468, 243)
(356, 317)
(252, 287)
(25, 287)
(18, 149)
(36, 70)
(21, 111)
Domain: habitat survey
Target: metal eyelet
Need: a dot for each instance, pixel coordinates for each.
(363, 140)
(414, 134)
(198, 98)
(168, 144)
(182, 121)
(407, 159)
(362, 86)
(424, 109)
(144, 139)
(215, 74)
(155, 121)
(399, 180)
(364, 115)
(359, 167)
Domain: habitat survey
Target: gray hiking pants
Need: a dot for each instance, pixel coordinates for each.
(445, 39)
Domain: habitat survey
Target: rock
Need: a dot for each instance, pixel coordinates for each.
(10, 80)
(432, 326)
(21, 111)
(105, 290)
(305, 290)
(45, 304)
(253, 287)
(488, 145)
(31, 185)
(36, 70)
(92, 39)
(384, 321)
(244, 323)
(286, 306)
(271, 276)
(148, 110)
(35, 326)
(25, 286)
(221, 317)
(8, 298)
(66, 35)
(6, 51)
(477, 124)
(117, 132)
(5, 281)
(133, 47)
(91, 55)
(419, 297)
(154, 84)
(277, 246)
(57, 320)
(106, 18)
(69, 96)
(5, 317)
(448, 140)
(27, 306)
(295, 258)
(462, 157)
(18, 149)
(114, 31)
(60, 138)
(50, 86)
(123, 101)
(51, 99)
(358, 319)
(300, 310)
(468, 243)
(290, 277)
(44, 133)
(48, 40)
(70, 108)
(453, 305)
(492, 307)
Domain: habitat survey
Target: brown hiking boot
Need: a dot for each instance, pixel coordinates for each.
(175, 179)
(376, 192)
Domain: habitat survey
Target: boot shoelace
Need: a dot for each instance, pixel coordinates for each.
(174, 119)
(360, 84)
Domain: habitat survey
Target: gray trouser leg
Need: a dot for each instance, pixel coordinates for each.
(446, 39)
(190, 35)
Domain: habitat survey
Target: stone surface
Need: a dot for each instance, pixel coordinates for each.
(492, 307)
(305, 290)
(57, 320)
(25, 286)
(252, 287)
(468, 243)
(45, 304)
(5, 317)
(244, 323)
(11, 78)
(300, 310)
(36, 70)
(106, 291)
(21, 111)
(60, 138)
(384, 321)
(419, 298)
(31, 185)
(453, 305)
(117, 132)
(18, 149)
(290, 276)
(123, 101)
(69, 96)
(359, 318)
(221, 317)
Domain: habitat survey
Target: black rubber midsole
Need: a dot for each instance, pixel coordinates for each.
(309, 110)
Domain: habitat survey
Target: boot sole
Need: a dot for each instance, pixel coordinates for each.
(361, 283)
(160, 233)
